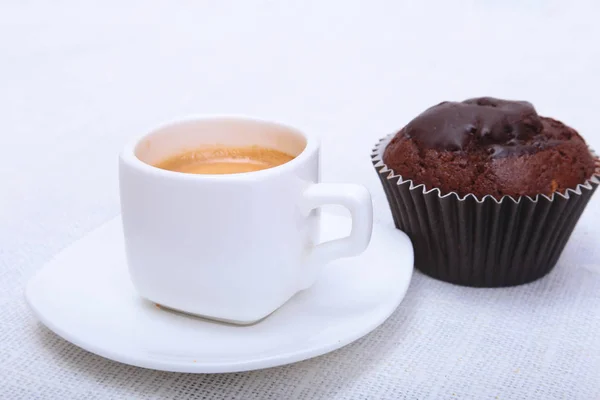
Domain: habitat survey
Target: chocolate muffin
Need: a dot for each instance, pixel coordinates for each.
(488, 191)
(487, 146)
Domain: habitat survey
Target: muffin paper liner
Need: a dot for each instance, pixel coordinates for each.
(482, 242)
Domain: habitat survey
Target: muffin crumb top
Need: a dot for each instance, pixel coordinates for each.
(489, 146)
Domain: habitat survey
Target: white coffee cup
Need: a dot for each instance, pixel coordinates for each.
(231, 247)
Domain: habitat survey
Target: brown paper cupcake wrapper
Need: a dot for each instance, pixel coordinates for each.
(482, 242)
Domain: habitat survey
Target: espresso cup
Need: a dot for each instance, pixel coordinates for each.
(232, 247)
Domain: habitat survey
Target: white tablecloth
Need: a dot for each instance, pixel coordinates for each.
(77, 81)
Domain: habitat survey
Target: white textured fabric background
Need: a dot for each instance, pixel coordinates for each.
(77, 79)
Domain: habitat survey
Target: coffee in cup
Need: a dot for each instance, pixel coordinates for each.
(222, 244)
(224, 160)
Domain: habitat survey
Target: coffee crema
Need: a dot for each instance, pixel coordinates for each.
(224, 160)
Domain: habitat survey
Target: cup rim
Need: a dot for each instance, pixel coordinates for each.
(128, 156)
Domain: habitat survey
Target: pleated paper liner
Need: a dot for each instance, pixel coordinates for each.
(482, 242)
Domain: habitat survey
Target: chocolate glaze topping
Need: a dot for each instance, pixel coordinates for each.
(487, 146)
(506, 127)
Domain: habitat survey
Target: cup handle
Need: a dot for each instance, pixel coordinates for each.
(357, 199)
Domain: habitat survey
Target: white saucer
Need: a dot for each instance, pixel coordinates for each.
(85, 296)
